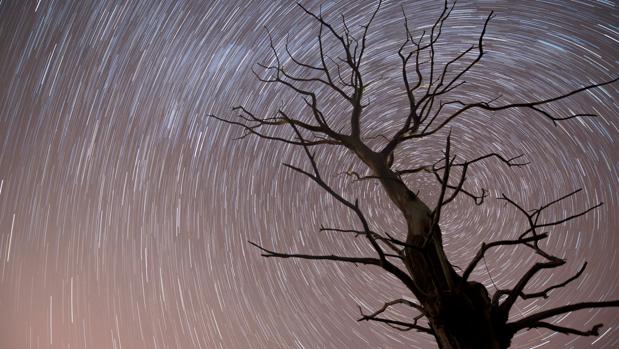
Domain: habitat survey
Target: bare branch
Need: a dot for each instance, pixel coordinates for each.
(357, 177)
(383, 262)
(324, 69)
(485, 247)
(533, 217)
(338, 230)
(419, 261)
(390, 242)
(513, 294)
(544, 293)
(459, 188)
(400, 325)
(450, 85)
(354, 260)
(541, 294)
(531, 320)
(392, 303)
(426, 168)
(444, 182)
(522, 105)
(594, 331)
(509, 162)
(252, 130)
(569, 218)
(553, 261)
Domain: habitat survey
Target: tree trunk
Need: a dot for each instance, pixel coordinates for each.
(460, 312)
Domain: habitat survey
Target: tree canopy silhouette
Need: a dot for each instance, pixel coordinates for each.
(457, 311)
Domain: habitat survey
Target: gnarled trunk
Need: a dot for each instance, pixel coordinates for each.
(460, 312)
(464, 319)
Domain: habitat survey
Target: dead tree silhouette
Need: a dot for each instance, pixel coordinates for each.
(457, 311)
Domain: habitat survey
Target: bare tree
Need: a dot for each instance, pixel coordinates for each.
(457, 311)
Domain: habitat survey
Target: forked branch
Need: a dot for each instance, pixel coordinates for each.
(486, 246)
(531, 238)
(427, 85)
(400, 325)
(544, 293)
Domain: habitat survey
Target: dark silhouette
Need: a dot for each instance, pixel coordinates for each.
(458, 312)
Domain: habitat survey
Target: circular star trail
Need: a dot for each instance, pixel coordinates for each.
(125, 212)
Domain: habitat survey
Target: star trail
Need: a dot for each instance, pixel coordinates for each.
(125, 211)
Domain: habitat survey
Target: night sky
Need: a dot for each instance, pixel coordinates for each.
(125, 212)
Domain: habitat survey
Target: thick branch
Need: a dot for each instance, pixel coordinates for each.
(383, 262)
